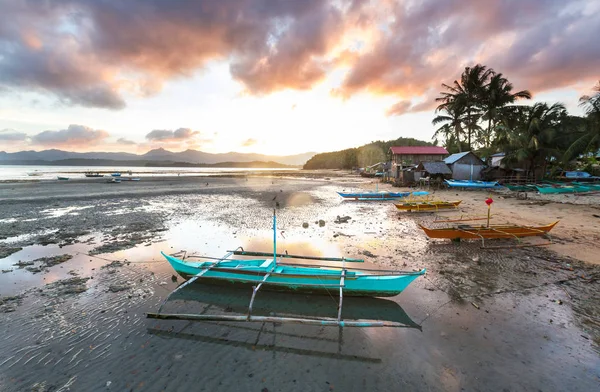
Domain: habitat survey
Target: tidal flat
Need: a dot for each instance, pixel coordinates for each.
(81, 266)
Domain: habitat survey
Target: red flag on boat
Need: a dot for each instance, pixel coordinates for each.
(489, 201)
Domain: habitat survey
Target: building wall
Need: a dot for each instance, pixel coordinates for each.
(461, 171)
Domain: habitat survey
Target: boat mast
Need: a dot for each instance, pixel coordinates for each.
(274, 236)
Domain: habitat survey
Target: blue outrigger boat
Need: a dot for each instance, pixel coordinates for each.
(274, 274)
(472, 184)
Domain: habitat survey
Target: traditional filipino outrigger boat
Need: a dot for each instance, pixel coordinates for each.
(472, 184)
(272, 273)
(482, 233)
(427, 205)
(379, 196)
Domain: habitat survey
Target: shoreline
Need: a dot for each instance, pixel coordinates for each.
(89, 308)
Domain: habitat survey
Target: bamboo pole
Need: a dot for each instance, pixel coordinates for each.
(272, 319)
(289, 256)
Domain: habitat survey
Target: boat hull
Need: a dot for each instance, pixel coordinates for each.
(373, 195)
(428, 206)
(296, 279)
(496, 231)
(472, 184)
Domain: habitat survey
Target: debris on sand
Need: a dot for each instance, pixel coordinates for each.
(305, 225)
(117, 287)
(73, 285)
(368, 254)
(22, 264)
(342, 219)
(54, 260)
(9, 304)
(6, 251)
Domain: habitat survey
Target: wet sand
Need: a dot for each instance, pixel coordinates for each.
(504, 319)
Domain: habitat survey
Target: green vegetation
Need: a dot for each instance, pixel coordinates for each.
(479, 112)
(366, 155)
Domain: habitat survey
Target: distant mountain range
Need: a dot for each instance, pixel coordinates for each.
(157, 155)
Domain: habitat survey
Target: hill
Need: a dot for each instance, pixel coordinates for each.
(156, 155)
(366, 155)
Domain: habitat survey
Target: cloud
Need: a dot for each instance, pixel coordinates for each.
(178, 135)
(125, 141)
(73, 136)
(10, 135)
(96, 53)
(249, 142)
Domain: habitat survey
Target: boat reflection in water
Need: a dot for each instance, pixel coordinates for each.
(229, 300)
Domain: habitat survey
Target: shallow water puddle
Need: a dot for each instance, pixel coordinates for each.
(58, 212)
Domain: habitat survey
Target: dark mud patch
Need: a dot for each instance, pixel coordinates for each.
(9, 304)
(6, 251)
(75, 285)
(127, 237)
(467, 274)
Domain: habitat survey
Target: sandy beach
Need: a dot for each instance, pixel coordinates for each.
(81, 266)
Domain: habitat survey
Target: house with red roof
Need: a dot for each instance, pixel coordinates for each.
(411, 156)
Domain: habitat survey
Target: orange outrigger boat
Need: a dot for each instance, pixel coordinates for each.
(427, 205)
(487, 232)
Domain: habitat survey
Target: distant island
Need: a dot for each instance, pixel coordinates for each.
(156, 157)
(362, 156)
(147, 163)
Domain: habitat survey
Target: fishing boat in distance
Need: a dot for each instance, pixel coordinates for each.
(273, 273)
(472, 184)
(63, 178)
(35, 173)
(378, 196)
(93, 174)
(116, 174)
(114, 181)
(427, 205)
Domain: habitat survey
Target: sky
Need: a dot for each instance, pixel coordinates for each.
(276, 77)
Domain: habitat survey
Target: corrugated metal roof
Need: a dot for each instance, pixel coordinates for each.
(419, 150)
(455, 157)
(435, 167)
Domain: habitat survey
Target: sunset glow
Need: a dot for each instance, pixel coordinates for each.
(269, 77)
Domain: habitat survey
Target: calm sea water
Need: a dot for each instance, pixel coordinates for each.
(23, 172)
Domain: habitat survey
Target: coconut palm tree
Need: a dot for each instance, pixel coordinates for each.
(496, 96)
(452, 130)
(590, 128)
(467, 94)
(528, 134)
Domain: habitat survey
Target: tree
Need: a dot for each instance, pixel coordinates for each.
(589, 129)
(452, 129)
(466, 97)
(496, 96)
(528, 134)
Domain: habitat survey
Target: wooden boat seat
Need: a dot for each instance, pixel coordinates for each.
(266, 263)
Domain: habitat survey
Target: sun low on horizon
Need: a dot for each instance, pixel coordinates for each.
(270, 77)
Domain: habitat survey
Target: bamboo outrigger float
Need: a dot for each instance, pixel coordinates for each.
(273, 274)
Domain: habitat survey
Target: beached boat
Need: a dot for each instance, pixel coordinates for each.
(472, 184)
(427, 205)
(272, 273)
(521, 187)
(298, 278)
(556, 189)
(378, 196)
(491, 231)
(35, 173)
(373, 195)
(93, 174)
(114, 181)
(63, 178)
